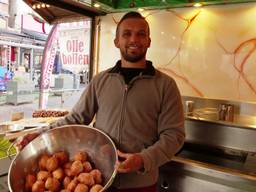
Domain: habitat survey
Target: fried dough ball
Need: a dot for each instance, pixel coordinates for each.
(86, 178)
(52, 184)
(58, 174)
(97, 176)
(96, 188)
(81, 156)
(76, 168)
(68, 172)
(72, 185)
(67, 165)
(52, 164)
(38, 186)
(81, 188)
(43, 175)
(62, 157)
(65, 190)
(87, 166)
(66, 181)
(30, 180)
(43, 161)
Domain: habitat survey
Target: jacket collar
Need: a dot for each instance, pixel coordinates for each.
(149, 70)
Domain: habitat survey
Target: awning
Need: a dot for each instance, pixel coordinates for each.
(63, 10)
(4, 15)
(35, 35)
(23, 45)
(11, 32)
(29, 39)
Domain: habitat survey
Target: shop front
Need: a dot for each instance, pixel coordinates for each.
(211, 67)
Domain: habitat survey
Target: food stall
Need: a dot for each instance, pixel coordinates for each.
(219, 152)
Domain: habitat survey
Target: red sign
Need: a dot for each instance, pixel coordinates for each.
(50, 51)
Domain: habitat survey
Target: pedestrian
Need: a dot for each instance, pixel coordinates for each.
(138, 106)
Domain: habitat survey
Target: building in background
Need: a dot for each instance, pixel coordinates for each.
(4, 13)
(22, 39)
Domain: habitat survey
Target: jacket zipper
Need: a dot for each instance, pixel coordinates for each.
(121, 121)
(126, 87)
(122, 113)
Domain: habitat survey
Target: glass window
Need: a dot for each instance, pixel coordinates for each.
(68, 77)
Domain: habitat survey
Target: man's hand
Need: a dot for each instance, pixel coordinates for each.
(26, 139)
(131, 162)
(29, 137)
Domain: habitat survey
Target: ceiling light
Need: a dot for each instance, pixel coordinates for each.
(198, 5)
(43, 5)
(140, 9)
(96, 5)
(38, 6)
(47, 5)
(132, 4)
(34, 6)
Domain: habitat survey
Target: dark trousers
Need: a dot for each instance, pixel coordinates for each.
(142, 189)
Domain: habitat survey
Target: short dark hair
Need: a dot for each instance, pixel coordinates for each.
(129, 15)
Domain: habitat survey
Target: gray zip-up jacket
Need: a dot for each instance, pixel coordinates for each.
(145, 116)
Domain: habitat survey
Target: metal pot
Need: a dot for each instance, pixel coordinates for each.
(69, 138)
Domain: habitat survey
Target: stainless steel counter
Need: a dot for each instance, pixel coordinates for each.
(220, 135)
(243, 121)
(4, 167)
(183, 175)
(216, 157)
(3, 183)
(243, 113)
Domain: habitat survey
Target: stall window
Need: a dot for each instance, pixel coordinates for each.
(68, 79)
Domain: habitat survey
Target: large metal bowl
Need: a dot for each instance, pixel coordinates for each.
(70, 138)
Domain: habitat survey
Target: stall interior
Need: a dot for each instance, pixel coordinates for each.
(218, 154)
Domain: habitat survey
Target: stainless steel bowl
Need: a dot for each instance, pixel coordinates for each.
(70, 138)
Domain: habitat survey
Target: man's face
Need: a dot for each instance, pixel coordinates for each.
(133, 39)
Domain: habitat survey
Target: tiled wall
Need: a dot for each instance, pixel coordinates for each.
(209, 51)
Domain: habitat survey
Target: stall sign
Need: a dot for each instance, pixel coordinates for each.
(74, 43)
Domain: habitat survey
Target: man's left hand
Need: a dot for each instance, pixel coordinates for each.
(132, 162)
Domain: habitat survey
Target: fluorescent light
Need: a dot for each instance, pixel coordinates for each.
(140, 9)
(96, 5)
(198, 5)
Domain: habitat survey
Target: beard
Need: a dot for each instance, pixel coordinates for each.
(133, 58)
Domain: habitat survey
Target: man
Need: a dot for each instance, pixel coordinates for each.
(137, 106)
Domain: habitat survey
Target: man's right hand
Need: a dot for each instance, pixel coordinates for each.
(26, 140)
